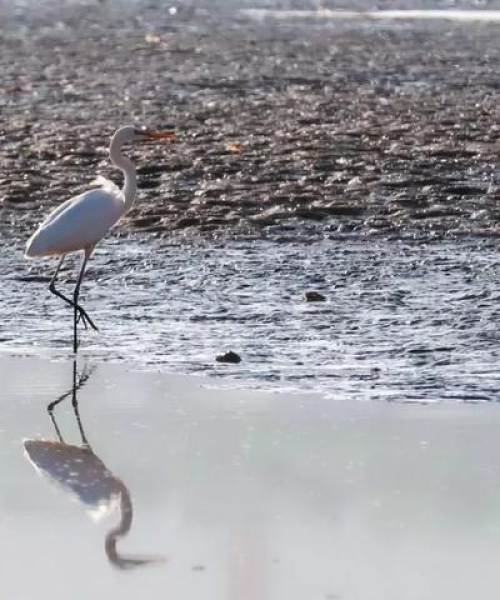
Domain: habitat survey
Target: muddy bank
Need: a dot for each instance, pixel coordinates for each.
(283, 127)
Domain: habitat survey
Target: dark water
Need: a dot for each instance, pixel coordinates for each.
(402, 321)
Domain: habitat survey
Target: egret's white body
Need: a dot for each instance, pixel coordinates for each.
(81, 222)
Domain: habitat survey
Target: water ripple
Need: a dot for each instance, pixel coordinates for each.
(401, 321)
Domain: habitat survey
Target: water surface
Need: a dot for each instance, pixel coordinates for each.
(402, 320)
(249, 495)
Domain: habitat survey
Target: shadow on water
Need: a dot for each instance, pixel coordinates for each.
(79, 471)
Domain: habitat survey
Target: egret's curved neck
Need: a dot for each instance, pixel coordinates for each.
(128, 168)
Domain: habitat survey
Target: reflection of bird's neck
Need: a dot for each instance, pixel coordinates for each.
(125, 165)
(123, 527)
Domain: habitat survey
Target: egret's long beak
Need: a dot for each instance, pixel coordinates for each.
(154, 134)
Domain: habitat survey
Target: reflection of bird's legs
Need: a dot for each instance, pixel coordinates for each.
(81, 312)
(78, 382)
(50, 409)
(81, 381)
(52, 405)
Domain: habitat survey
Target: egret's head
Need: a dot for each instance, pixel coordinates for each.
(129, 133)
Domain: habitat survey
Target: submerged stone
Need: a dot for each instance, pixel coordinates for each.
(314, 297)
(229, 357)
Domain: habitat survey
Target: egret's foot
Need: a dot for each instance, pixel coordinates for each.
(86, 320)
(83, 320)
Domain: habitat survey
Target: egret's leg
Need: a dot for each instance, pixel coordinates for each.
(52, 287)
(75, 328)
(77, 307)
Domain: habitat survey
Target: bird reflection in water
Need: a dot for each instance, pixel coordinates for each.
(78, 470)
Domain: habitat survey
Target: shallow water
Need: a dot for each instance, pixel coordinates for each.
(247, 495)
(487, 16)
(402, 321)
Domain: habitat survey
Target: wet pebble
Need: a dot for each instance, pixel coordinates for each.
(313, 296)
(229, 357)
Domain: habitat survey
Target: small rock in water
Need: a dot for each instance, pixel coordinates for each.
(229, 357)
(314, 297)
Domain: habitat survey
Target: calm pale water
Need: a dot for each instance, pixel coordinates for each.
(246, 495)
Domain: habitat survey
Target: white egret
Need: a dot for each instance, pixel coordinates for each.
(81, 222)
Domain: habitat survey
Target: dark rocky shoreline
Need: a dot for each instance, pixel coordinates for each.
(333, 127)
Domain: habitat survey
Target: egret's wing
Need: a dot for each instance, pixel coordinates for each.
(57, 211)
(100, 181)
(78, 223)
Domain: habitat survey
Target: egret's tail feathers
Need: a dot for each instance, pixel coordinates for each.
(31, 248)
(35, 246)
(40, 244)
